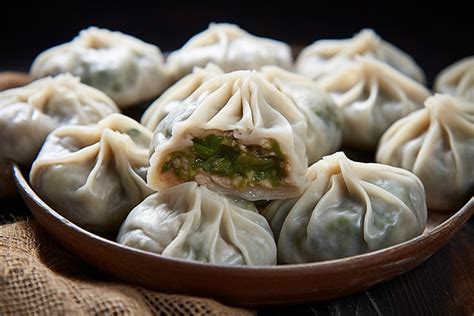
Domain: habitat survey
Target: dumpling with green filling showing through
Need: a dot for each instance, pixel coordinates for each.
(324, 118)
(127, 69)
(29, 113)
(236, 134)
(94, 175)
(372, 96)
(437, 144)
(348, 208)
(190, 222)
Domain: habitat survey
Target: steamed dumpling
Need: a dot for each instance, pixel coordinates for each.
(125, 68)
(29, 113)
(348, 208)
(324, 118)
(437, 144)
(372, 95)
(172, 97)
(236, 134)
(457, 79)
(326, 56)
(231, 48)
(190, 222)
(94, 175)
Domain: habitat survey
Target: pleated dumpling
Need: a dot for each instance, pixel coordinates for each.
(231, 48)
(29, 113)
(94, 175)
(125, 68)
(323, 117)
(176, 94)
(236, 134)
(457, 79)
(372, 95)
(326, 56)
(190, 222)
(348, 208)
(437, 144)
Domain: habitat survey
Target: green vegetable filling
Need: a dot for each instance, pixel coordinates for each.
(245, 165)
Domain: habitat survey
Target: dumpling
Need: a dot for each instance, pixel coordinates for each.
(349, 208)
(29, 113)
(372, 95)
(94, 175)
(326, 56)
(324, 119)
(190, 222)
(437, 144)
(231, 48)
(176, 94)
(127, 69)
(457, 79)
(236, 134)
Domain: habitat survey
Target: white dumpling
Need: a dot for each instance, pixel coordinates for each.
(190, 222)
(372, 95)
(348, 208)
(437, 144)
(29, 113)
(324, 118)
(125, 68)
(229, 47)
(457, 79)
(326, 56)
(94, 175)
(236, 134)
(172, 97)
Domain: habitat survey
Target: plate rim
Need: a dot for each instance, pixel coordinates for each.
(449, 226)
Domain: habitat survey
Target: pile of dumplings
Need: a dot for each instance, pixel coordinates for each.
(237, 158)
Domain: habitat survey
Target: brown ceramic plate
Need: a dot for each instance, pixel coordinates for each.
(241, 285)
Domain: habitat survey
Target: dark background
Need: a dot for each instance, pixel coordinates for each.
(436, 35)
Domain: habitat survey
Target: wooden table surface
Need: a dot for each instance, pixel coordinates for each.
(443, 285)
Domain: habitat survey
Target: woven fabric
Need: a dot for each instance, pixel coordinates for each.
(38, 277)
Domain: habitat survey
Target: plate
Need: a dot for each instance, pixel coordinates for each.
(242, 285)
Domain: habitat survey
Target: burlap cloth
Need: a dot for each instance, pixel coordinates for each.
(38, 277)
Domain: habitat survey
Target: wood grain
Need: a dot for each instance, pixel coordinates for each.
(443, 285)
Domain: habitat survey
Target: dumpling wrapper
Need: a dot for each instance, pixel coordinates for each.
(242, 108)
(29, 113)
(326, 56)
(172, 97)
(457, 79)
(437, 144)
(231, 48)
(127, 69)
(190, 222)
(94, 175)
(349, 208)
(324, 118)
(372, 96)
